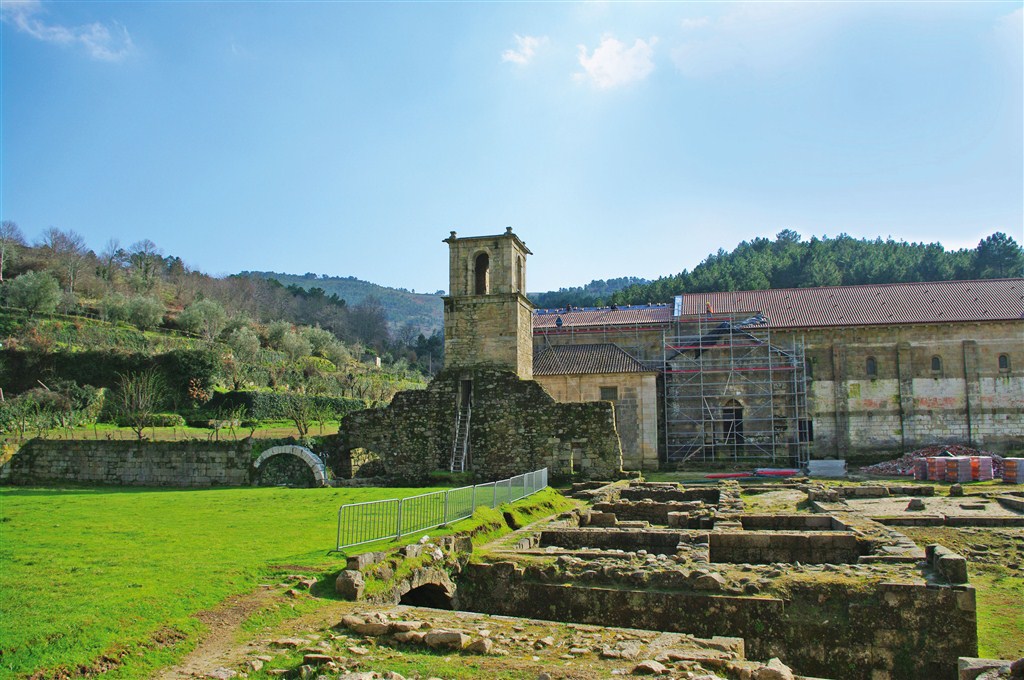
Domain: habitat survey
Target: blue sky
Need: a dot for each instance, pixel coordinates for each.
(618, 139)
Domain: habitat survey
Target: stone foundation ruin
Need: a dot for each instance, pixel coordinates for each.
(832, 593)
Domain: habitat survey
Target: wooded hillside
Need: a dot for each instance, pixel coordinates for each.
(789, 262)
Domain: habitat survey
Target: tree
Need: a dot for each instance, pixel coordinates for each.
(244, 343)
(146, 261)
(114, 307)
(296, 346)
(204, 317)
(11, 243)
(277, 331)
(320, 340)
(998, 256)
(66, 252)
(298, 408)
(138, 397)
(144, 311)
(111, 258)
(369, 322)
(37, 292)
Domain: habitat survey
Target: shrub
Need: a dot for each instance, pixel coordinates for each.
(275, 405)
(166, 420)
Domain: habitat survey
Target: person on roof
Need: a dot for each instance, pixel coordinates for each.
(707, 308)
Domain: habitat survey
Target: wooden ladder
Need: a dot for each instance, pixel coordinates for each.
(460, 449)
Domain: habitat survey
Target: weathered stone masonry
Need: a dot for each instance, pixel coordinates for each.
(516, 427)
(906, 404)
(128, 463)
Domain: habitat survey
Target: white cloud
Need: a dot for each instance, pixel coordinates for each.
(764, 36)
(526, 47)
(1009, 26)
(700, 22)
(613, 64)
(99, 41)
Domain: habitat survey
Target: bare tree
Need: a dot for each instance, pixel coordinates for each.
(138, 397)
(11, 242)
(66, 251)
(298, 409)
(110, 260)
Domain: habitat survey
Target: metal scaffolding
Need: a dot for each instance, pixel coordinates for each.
(730, 394)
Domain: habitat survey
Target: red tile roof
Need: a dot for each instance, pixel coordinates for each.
(889, 303)
(578, 359)
(633, 315)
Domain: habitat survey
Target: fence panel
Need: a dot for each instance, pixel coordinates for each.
(366, 522)
(360, 523)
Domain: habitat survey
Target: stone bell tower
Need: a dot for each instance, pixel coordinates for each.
(488, 321)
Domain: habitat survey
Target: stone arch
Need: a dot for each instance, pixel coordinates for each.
(316, 465)
(432, 595)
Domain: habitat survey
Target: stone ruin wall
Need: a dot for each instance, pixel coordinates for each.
(900, 630)
(191, 464)
(515, 427)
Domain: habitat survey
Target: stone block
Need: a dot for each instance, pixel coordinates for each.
(969, 668)
(350, 584)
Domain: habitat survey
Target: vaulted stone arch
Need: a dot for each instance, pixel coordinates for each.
(316, 465)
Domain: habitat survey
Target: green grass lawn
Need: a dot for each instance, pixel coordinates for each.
(93, 572)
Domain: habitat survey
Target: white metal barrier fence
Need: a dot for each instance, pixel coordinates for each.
(360, 523)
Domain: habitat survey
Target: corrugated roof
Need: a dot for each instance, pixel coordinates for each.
(889, 303)
(581, 359)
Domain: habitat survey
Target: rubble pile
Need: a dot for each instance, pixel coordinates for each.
(904, 465)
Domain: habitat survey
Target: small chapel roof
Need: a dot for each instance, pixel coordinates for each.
(583, 359)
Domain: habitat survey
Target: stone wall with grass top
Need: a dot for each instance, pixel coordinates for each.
(132, 463)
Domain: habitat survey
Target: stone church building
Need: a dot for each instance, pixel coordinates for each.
(755, 378)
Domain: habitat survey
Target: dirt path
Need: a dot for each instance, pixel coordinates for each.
(223, 647)
(220, 647)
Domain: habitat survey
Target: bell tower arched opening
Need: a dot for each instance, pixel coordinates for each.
(482, 274)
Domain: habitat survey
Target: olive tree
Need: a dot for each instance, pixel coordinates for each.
(204, 317)
(144, 311)
(35, 292)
